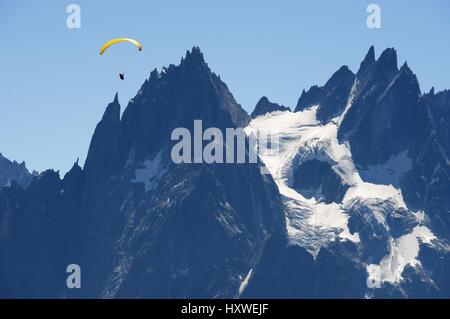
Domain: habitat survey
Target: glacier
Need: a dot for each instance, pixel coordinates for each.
(313, 224)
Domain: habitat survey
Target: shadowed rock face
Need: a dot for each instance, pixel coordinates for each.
(138, 224)
(386, 115)
(291, 272)
(427, 185)
(331, 98)
(317, 179)
(37, 232)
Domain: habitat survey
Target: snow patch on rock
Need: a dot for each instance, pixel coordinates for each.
(150, 172)
(244, 282)
(403, 251)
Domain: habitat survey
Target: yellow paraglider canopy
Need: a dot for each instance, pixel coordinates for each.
(114, 41)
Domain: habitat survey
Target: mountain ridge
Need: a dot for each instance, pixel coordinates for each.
(14, 172)
(362, 180)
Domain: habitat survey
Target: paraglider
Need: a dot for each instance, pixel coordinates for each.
(118, 40)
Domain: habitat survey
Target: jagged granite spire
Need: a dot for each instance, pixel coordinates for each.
(330, 98)
(369, 59)
(386, 114)
(104, 150)
(112, 112)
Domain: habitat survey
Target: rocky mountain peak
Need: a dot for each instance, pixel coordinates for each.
(388, 59)
(194, 59)
(112, 112)
(383, 99)
(265, 106)
(368, 61)
(330, 98)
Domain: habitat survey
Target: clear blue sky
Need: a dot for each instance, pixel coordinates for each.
(54, 86)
